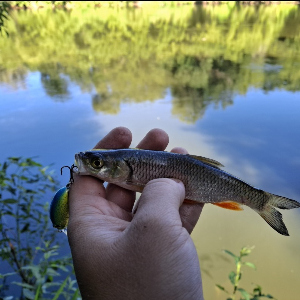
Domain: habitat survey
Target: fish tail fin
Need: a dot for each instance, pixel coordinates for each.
(281, 202)
(274, 217)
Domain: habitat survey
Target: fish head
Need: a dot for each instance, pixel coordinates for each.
(88, 162)
(102, 164)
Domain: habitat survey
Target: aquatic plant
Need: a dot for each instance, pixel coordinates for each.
(236, 276)
(29, 245)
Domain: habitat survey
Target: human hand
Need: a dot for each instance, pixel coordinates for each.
(146, 255)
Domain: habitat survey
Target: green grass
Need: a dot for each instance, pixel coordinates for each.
(236, 276)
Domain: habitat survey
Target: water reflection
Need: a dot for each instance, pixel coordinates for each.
(205, 55)
(239, 137)
(224, 83)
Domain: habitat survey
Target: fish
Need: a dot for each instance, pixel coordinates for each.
(204, 180)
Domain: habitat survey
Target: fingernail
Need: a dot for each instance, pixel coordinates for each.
(176, 180)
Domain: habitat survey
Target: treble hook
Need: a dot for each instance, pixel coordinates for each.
(71, 173)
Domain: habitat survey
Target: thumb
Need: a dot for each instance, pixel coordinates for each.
(159, 204)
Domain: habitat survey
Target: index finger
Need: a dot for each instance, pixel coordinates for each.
(119, 137)
(155, 139)
(189, 213)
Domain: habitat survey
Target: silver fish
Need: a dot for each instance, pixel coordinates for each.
(204, 181)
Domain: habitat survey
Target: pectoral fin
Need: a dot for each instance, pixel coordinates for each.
(135, 186)
(229, 205)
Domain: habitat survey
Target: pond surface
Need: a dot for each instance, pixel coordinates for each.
(223, 81)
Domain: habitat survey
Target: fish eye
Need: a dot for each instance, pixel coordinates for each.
(96, 163)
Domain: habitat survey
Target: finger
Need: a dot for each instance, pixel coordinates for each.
(120, 196)
(174, 150)
(179, 150)
(84, 191)
(189, 213)
(89, 187)
(159, 205)
(155, 139)
(118, 138)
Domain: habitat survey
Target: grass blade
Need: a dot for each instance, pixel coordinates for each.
(59, 291)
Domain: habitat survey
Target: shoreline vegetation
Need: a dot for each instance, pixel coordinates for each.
(202, 55)
(36, 5)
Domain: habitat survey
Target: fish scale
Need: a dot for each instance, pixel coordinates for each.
(204, 181)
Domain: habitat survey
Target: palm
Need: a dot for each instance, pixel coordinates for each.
(114, 204)
(109, 243)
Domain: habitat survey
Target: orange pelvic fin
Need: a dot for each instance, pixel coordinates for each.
(187, 201)
(229, 205)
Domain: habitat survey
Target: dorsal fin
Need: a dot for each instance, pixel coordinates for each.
(207, 161)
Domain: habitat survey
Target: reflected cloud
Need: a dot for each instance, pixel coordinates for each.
(186, 78)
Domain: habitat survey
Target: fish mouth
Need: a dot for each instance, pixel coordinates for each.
(78, 163)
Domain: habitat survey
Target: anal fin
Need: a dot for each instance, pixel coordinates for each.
(229, 205)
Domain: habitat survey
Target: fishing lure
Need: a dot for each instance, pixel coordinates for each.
(59, 208)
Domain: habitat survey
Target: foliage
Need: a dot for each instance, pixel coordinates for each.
(4, 7)
(202, 55)
(27, 243)
(91, 4)
(236, 276)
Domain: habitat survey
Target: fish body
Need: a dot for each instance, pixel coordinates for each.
(204, 181)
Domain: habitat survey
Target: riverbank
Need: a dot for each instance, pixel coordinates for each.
(35, 5)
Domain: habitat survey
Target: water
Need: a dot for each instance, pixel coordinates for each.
(222, 83)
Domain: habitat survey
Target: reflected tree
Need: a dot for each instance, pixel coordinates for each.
(105, 103)
(4, 8)
(204, 55)
(55, 86)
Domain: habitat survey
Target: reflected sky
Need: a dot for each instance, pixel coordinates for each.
(259, 134)
(223, 82)
(256, 138)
